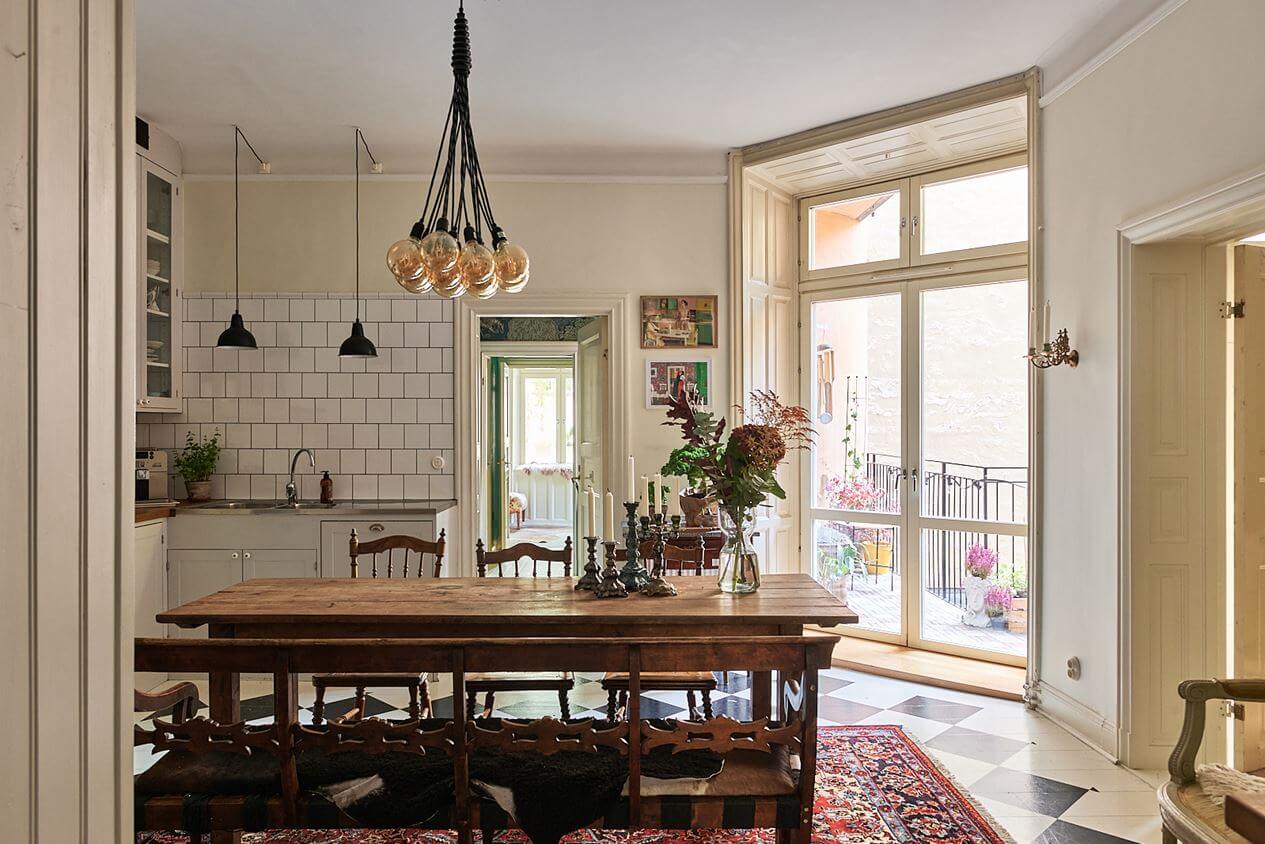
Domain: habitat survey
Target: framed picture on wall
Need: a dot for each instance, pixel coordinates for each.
(668, 378)
(678, 322)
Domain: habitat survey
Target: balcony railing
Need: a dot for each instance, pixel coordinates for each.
(955, 491)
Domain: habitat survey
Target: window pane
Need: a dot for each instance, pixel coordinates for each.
(569, 426)
(960, 608)
(854, 231)
(540, 420)
(861, 564)
(975, 211)
(856, 403)
(975, 402)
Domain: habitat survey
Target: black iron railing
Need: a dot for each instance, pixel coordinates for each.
(948, 490)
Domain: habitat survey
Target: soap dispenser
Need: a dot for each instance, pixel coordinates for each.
(327, 488)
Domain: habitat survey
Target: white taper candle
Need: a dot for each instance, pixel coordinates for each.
(608, 523)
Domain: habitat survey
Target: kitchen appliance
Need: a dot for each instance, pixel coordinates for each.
(151, 475)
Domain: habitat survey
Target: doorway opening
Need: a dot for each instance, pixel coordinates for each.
(543, 427)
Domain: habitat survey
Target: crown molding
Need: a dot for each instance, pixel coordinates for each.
(1142, 27)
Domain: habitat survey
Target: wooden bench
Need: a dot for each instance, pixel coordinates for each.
(470, 811)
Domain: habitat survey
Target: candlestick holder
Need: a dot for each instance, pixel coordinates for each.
(610, 586)
(591, 578)
(633, 574)
(1054, 354)
(658, 586)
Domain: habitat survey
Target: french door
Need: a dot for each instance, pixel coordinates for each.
(919, 473)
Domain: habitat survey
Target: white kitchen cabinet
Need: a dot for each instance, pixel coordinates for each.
(280, 563)
(335, 535)
(150, 588)
(195, 574)
(160, 264)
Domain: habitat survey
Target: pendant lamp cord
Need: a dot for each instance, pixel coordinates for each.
(360, 139)
(238, 135)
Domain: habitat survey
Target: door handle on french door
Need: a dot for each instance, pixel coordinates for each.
(913, 478)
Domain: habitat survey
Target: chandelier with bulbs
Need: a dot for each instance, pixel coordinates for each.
(432, 257)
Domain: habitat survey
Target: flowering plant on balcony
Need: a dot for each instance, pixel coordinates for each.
(997, 600)
(981, 561)
(850, 493)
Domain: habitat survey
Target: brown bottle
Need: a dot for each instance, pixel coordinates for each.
(327, 488)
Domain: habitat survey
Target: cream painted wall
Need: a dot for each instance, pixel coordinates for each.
(634, 238)
(1176, 111)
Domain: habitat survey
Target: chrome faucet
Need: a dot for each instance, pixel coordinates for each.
(292, 491)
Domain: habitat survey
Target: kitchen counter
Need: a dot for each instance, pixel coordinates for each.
(353, 507)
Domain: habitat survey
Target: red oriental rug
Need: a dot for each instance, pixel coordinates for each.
(875, 785)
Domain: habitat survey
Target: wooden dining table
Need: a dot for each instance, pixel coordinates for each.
(494, 607)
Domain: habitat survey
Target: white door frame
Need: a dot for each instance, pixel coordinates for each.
(463, 521)
(1211, 213)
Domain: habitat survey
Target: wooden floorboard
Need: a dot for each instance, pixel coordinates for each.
(934, 669)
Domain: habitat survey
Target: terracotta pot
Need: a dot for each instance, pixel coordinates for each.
(878, 557)
(699, 512)
(198, 490)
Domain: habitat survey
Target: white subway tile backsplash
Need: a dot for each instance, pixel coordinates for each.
(373, 423)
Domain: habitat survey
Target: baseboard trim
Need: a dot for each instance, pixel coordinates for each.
(1078, 719)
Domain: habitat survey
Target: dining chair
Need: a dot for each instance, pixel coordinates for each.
(685, 559)
(508, 562)
(182, 700)
(428, 560)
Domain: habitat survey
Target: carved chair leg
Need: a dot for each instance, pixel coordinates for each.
(318, 706)
(707, 704)
(425, 709)
(414, 708)
(488, 704)
(612, 704)
(691, 703)
(360, 703)
(1167, 836)
(564, 705)
(472, 698)
(623, 705)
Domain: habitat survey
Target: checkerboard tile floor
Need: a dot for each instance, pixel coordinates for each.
(1036, 779)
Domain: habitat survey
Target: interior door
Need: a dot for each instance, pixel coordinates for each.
(592, 398)
(1248, 334)
(497, 459)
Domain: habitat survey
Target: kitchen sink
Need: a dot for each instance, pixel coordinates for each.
(304, 505)
(247, 504)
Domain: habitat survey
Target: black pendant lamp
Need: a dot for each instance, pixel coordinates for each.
(236, 336)
(358, 345)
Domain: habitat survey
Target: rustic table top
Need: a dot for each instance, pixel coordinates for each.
(783, 599)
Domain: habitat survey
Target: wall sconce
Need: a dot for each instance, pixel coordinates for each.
(1056, 353)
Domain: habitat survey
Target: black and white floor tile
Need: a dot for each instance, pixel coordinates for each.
(1037, 780)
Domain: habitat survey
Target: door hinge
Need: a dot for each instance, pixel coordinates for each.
(1231, 310)
(1230, 709)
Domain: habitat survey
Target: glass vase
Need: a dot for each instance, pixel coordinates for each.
(739, 561)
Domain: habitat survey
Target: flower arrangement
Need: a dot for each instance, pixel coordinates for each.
(997, 600)
(981, 561)
(740, 471)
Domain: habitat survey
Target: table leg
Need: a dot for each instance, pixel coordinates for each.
(226, 707)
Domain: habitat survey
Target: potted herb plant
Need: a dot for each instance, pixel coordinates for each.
(740, 471)
(997, 603)
(699, 510)
(981, 562)
(196, 463)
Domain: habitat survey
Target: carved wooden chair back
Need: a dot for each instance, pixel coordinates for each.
(685, 559)
(509, 561)
(181, 699)
(397, 564)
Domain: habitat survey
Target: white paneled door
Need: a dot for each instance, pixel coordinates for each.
(919, 474)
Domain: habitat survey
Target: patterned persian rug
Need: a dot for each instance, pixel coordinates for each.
(875, 785)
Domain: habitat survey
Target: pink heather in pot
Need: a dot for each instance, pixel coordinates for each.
(980, 561)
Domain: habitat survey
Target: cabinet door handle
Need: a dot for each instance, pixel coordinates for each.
(377, 527)
(234, 555)
(247, 555)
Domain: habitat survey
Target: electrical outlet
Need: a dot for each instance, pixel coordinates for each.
(1074, 668)
(437, 462)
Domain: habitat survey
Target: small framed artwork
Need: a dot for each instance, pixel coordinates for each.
(666, 379)
(678, 322)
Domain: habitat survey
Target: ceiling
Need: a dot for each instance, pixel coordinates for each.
(566, 87)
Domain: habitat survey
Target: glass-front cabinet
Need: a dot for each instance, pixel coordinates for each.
(159, 354)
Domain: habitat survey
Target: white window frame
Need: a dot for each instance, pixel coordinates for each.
(917, 183)
(519, 375)
(911, 258)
